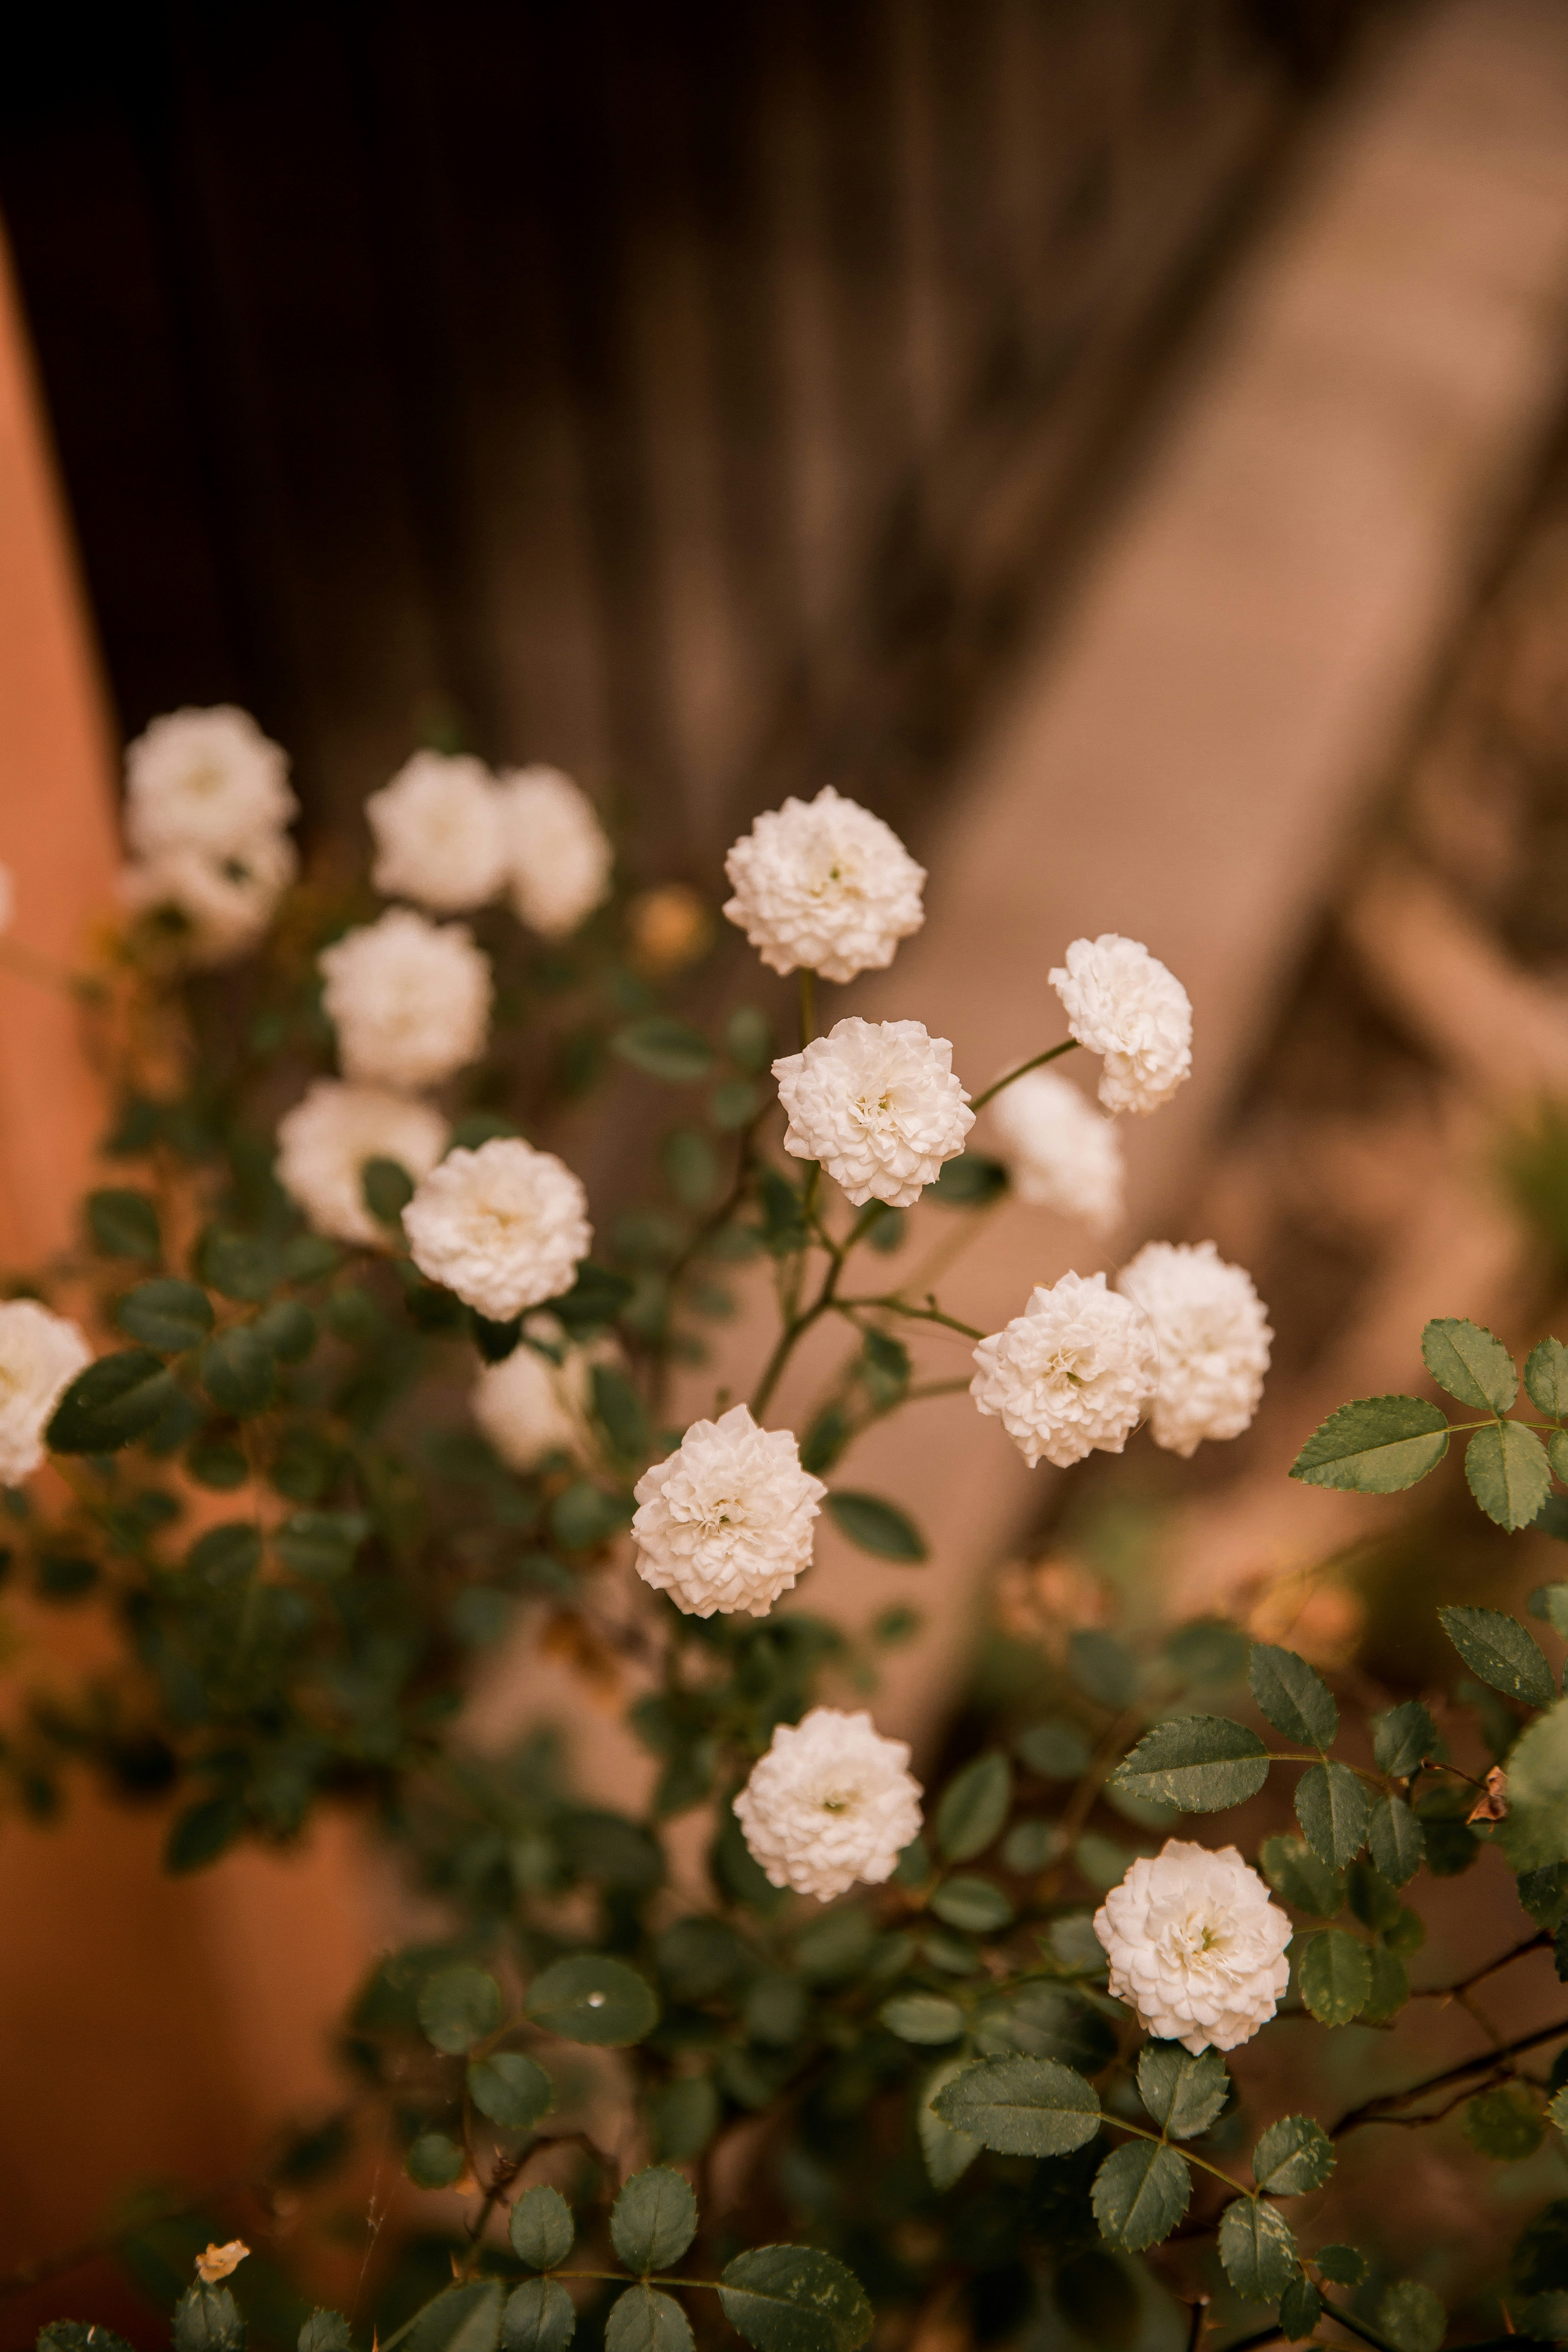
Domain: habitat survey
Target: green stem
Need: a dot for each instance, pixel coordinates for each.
(789, 1338)
(623, 2278)
(931, 1314)
(1356, 2326)
(1160, 2140)
(1051, 1054)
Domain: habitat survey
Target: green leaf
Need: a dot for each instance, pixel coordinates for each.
(1411, 2317)
(664, 1048)
(1395, 1836)
(1022, 2106)
(1535, 1833)
(227, 1553)
(619, 1411)
(124, 1225)
(1557, 2108)
(1508, 1474)
(435, 2161)
(1375, 1447)
(1053, 1751)
(1201, 1762)
(1301, 1878)
(973, 1807)
(1340, 2265)
(1390, 1985)
(237, 1265)
(877, 1526)
(1546, 1379)
(1208, 1650)
(974, 1905)
(654, 2220)
(1292, 2156)
(1331, 1807)
(684, 2117)
(78, 2335)
(325, 2331)
(1402, 1739)
(287, 1330)
(1504, 2124)
(540, 2316)
(459, 2006)
(206, 2318)
(1141, 2192)
(947, 2152)
(592, 1999)
(540, 2228)
(970, 1182)
(512, 2089)
(1465, 1359)
(166, 1315)
(239, 1369)
(462, 2319)
(320, 1544)
(1257, 2249)
(1182, 2094)
(1293, 1696)
(203, 1831)
(1550, 1603)
(386, 1189)
(1300, 2308)
(1497, 1648)
(597, 1296)
(794, 2299)
(112, 1402)
(923, 2017)
(1335, 1976)
(1102, 1666)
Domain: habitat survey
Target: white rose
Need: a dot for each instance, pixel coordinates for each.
(1060, 1153)
(825, 887)
(1076, 1370)
(831, 1802)
(1125, 1006)
(531, 1406)
(440, 834)
(725, 1523)
(1212, 1332)
(410, 1000)
(224, 903)
(503, 1226)
(205, 779)
(559, 856)
(40, 1355)
(325, 1140)
(877, 1104)
(1195, 1946)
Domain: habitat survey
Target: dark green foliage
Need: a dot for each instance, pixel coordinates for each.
(166, 1315)
(593, 1999)
(1293, 1696)
(540, 2228)
(1182, 2094)
(1498, 1649)
(973, 1807)
(877, 1526)
(1141, 2192)
(206, 2319)
(654, 2220)
(794, 2299)
(1375, 1447)
(112, 1402)
(1201, 1762)
(539, 2317)
(512, 2089)
(124, 1223)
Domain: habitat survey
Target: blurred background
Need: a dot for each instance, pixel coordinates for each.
(1121, 441)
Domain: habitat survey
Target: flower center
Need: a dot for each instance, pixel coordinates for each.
(203, 782)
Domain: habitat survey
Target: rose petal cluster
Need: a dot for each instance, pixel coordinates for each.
(533, 1404)
(725, 1522)
(831, 1802)
(560, 860)
(503, 1226)
(1076, 1372)
(1196, 1946)
(440, 833)
(207, 807)
(1212, 1332)
(823, 886)
(325, 1141)
(877, 1104)
(1122, 1004)
(40, 1355)
(410, 999)
(1059, 1151)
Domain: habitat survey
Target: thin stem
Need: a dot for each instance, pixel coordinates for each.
(928, 1313)
(1356, 2326)
(624, 2278)
(1376, 2111)
(793, 1332)
(978, 1102)
(1139, 2132)
(1504, 1960)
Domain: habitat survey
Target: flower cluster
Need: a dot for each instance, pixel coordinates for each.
(725, 1523)
(1077, 1370)
(831, 1802)
(1196, 1944)
(450, 836)
(207, 807)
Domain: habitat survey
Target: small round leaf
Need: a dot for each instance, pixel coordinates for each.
(459, 2006)
(510, 2089)
(540, 2316)
(644, 2320)
(794, 2299)
(654, 2220)
(590, 1998)
(540, 2228)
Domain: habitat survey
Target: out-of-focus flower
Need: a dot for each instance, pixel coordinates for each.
(668, 927)
(877, 1104)
(440, 833)
(825, 887)
(220, 2262)
(1075, 1372)
(222, 905)
(1060, 1153)
(530, 1406)
(40, 1355)
(1213, 1334)
(725, 1522)
(559, 856)
(831, 1802)
(324, 1142)
(503, 1226)
(410, 1000)
(207, 780)
(1125, 1006)
(1195, 1946)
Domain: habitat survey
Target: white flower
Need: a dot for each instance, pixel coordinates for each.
(725, 1522)
(1124, 1006)
(1195, 1946)
(1061, 1153)
(530, 1407)
(205, 779)
(559, 856)
(830, 1802)
(223, 903)
(825, 885)
(1212, 1331)
(40, 1355)
(503, 1226)
(410, 1000)
(325, 1140)
(440, 834)
(877, 1104)
(1076, 1370)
